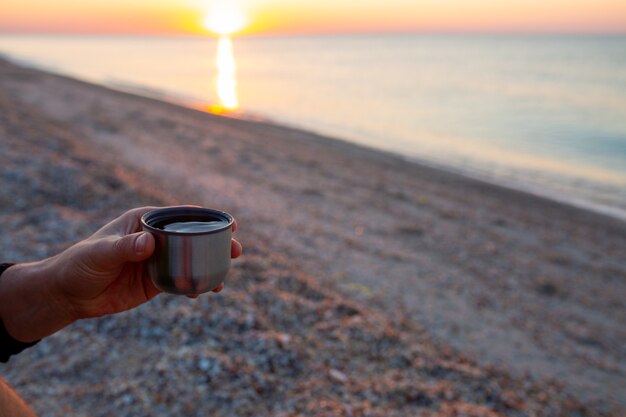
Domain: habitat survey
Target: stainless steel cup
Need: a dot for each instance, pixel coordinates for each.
(188, 262)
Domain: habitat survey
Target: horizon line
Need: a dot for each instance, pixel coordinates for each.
(321, 34)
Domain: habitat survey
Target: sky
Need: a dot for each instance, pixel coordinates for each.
(315, 16)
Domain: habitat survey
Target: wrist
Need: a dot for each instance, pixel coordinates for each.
(29, 306)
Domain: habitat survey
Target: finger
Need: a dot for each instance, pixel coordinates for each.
(137, 247)
(113, 251)
(234, 225)
(130, 222)
(235, 249)
(219, 288)
(149, 289)
(194, 296)
(127, 223)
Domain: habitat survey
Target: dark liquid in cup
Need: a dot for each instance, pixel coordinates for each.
(194, 226)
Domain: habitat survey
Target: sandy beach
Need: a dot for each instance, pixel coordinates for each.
(369, 285)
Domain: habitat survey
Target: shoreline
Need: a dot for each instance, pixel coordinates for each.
(171, 98)
(531, 285)
(575, 202)
(163, 96)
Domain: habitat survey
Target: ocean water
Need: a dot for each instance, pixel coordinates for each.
(542, 113)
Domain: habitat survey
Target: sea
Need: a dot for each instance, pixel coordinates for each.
(541, 113)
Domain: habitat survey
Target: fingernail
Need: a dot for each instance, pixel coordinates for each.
(140, 243)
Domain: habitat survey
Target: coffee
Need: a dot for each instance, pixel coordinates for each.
(194, 227)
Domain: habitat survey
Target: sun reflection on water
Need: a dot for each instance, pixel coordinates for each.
(226, 81)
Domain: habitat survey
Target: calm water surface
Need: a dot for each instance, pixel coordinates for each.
(546, 114)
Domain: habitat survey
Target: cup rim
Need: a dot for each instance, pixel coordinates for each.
(184, 211)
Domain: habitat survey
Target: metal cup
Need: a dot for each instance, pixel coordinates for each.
(188, 262)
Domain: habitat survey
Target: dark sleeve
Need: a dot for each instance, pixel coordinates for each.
(8, 345)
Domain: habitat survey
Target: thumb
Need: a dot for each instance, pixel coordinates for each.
(115, 251)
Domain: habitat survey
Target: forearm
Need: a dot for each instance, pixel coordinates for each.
(29, 308)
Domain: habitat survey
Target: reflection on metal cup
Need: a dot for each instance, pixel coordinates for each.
(188, 262)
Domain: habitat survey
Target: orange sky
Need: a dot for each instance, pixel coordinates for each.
(317, 16)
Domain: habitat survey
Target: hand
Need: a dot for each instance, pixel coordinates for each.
(100, 275)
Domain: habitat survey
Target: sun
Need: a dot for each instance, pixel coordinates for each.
(225, 18)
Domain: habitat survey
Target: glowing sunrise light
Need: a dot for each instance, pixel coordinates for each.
(226, 82)
(225, 18)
